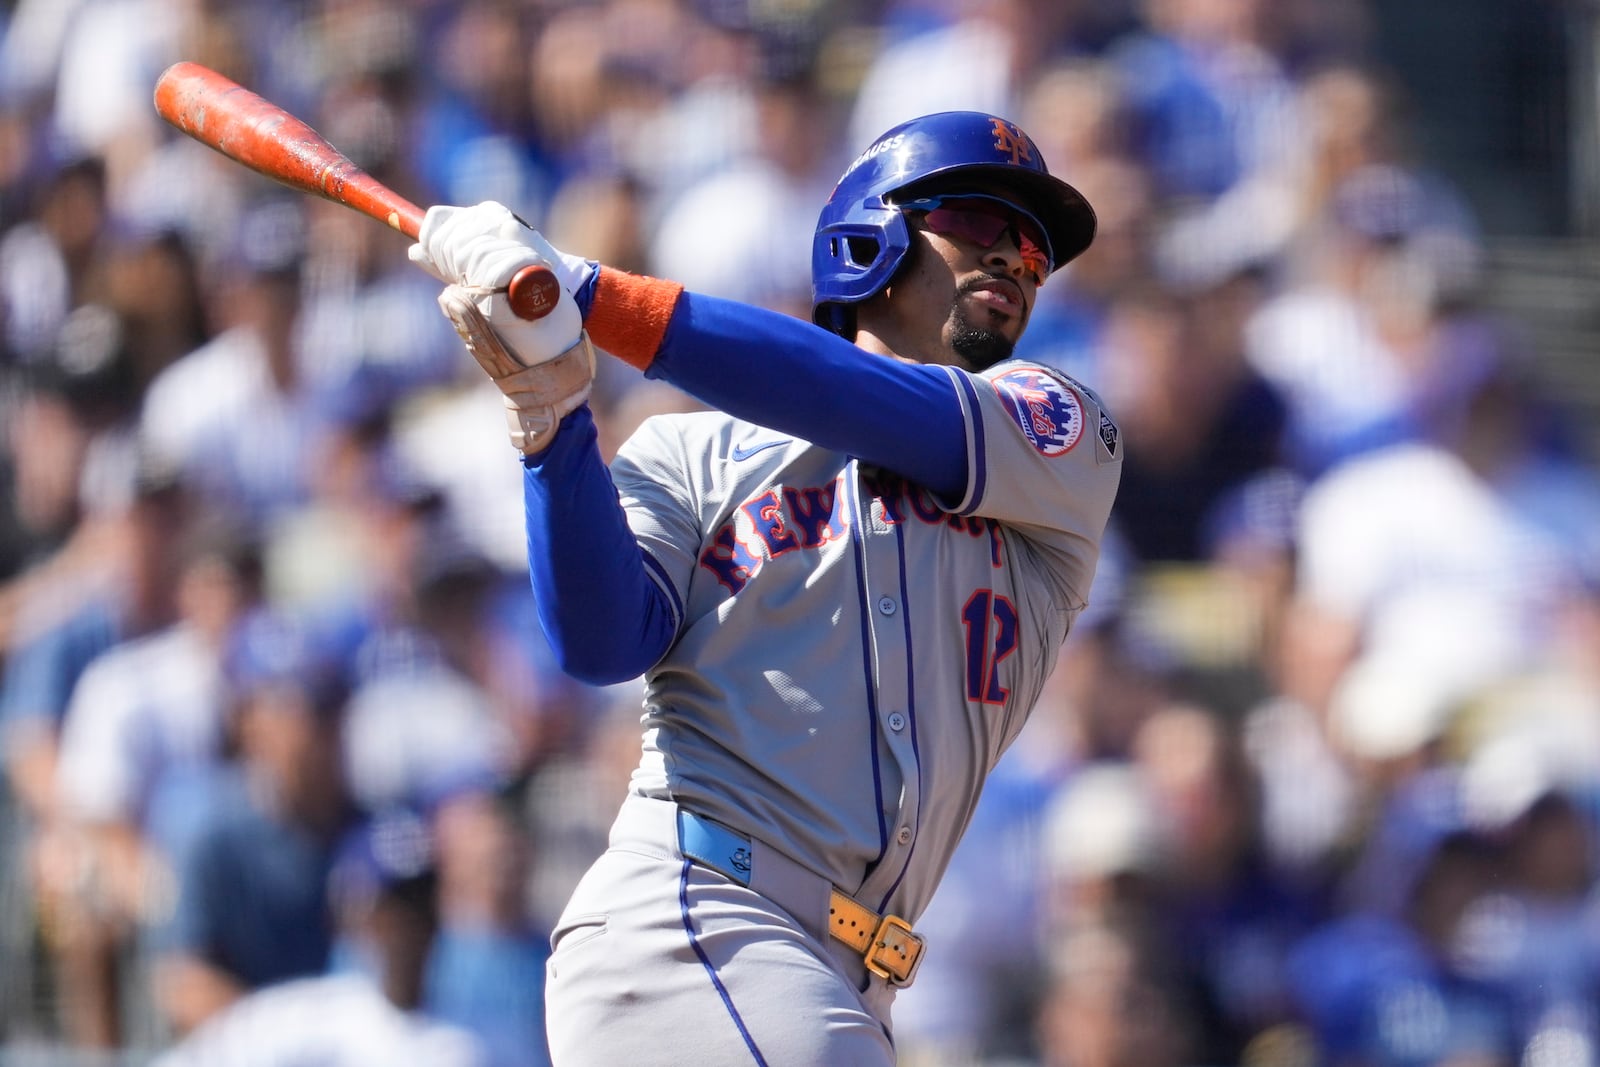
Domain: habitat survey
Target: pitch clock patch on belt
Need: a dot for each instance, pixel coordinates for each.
(1048, 411)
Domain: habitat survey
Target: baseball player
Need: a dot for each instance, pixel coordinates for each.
(844, 587)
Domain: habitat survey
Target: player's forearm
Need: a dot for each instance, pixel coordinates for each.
(780, 372)
(606, 621)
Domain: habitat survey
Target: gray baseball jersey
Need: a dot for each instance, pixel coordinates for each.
(857, 743)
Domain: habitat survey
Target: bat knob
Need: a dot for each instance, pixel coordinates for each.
(533, 292)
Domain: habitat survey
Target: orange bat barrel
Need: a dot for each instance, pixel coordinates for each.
(224, 115)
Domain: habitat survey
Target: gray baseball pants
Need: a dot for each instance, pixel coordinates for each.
(659, 959)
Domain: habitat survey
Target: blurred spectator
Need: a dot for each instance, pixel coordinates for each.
(111, 52)
(1110, 1000)
(1349, 120)
(454, 682)
(121, 590)
(478, 481)
(1227, 916)
(369, 332)
(759, 206)
(1447, 556)
(1390, 985)
(252, 906)
(1207, 96)
(986, 52)
(1355, 342)
(233, 414)
(1197, 421)
(383, 892)
(693, 110)
(143, 712)
(66, 420)
(46, 260)
(1077, 107)
(1105, 850)
(1520, 938)
(1109, 680)
(478, 133)
(451, 681)
(1533, 754)
(31, 52)
(153, 280)
(420, 722)
(486, 970)
(565, 803)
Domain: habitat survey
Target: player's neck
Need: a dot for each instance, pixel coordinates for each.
(875, 342)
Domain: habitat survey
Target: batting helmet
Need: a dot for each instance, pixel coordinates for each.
(861, 236)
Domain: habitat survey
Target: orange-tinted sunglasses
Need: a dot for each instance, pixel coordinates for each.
(983, 220)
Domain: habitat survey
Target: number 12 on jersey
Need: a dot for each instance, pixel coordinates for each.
(991, 624)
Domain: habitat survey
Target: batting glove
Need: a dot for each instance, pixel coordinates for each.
(544, 367)
(444, 228)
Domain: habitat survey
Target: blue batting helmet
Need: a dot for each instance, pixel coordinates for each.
(861, 236)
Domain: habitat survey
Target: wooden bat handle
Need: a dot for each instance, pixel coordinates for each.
(221, 114)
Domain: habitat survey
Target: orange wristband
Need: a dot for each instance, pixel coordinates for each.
(629, 314)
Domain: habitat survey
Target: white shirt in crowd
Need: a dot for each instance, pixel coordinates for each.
(331, 1021)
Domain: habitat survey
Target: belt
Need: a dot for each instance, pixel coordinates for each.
(887, 944)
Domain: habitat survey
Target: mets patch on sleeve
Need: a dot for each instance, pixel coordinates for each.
(1048, 411)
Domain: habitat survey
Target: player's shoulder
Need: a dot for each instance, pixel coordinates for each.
(1031, 370)
(689, 428)
(1053, 409)
(700, 439)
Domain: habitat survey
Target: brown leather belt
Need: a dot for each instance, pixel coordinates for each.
(888, 946)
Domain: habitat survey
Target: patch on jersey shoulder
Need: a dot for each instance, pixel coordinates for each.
(1048, 411)
(1110, 438)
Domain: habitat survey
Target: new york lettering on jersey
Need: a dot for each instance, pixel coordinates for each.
(781, 519)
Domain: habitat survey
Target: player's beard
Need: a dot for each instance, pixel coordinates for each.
(980, 346)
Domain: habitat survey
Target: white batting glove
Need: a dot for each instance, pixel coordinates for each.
(444, 228)
(481, 249)
(545, 367)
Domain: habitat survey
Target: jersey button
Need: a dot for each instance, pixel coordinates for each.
(897, 721)
(887, 605)
(904, 836)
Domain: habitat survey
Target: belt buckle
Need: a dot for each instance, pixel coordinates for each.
(895, 952)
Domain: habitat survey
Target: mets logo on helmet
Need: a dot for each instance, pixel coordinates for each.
(1009, 139)
(1049, 412)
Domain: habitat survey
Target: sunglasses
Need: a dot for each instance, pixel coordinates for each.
(983, 220)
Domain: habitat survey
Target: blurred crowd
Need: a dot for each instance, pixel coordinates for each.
(289, 777)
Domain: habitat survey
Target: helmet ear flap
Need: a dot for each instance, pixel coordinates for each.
(854, 256)
(836, 318)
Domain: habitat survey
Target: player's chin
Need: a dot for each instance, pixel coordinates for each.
(980, 346)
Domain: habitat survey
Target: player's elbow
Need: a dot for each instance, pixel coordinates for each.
(598, 674)
(608, 648)
(598, 667)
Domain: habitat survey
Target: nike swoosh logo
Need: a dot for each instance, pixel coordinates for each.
(740, 454)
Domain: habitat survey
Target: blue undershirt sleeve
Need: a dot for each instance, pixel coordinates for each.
(776, 371)
(605, 620)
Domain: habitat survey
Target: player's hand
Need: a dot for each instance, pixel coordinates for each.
(545, 367)
(480, 249)
(446, 229)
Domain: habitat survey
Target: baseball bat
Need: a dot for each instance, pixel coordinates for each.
(224, 115)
